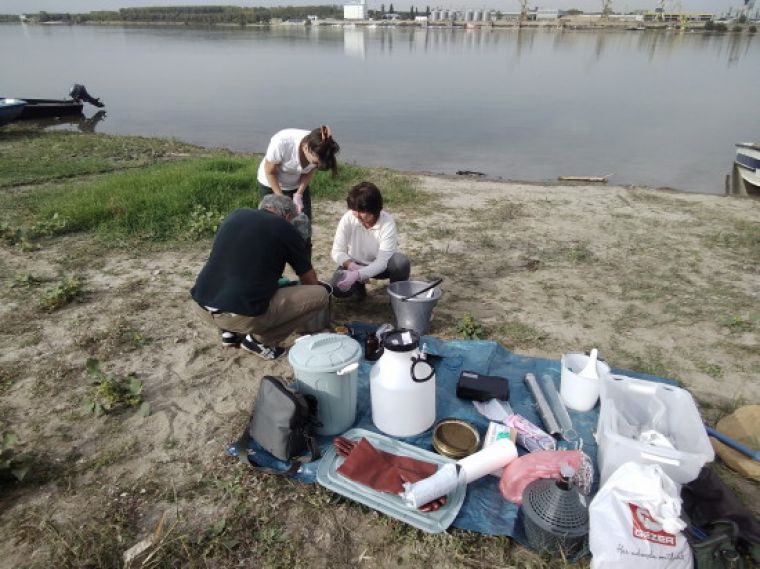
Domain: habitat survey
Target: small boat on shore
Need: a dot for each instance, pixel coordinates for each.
(745, 175)
(10, 109)
(47, 108)
(589, 179)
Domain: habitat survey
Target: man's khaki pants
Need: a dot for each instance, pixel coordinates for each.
(293, 308)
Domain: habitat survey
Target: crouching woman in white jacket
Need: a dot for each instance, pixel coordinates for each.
(366, 244)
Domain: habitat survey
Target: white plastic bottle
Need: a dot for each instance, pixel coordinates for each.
(402, 387)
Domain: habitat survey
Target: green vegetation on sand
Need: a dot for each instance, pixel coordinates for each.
(153, 193)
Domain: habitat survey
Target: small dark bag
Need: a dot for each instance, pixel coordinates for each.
(477, 387)
(284, 424)
(721, 529)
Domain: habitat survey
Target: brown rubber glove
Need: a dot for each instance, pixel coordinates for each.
(367, 466)
(383, 471)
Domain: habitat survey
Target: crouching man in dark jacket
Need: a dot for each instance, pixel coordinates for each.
(237, 290)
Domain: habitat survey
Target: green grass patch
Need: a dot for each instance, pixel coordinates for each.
(10, 463)
(111, 392)
(25, 280)
(579, 253)
(185, 199)
(652, 361)
(743, 240)
(66, 291)
(469, 328)
(514, 333)
(397, 189)
(712, 369)
(154, 203)
(32, 155)
(737, 324)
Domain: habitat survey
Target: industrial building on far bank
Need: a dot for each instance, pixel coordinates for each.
(356, 11)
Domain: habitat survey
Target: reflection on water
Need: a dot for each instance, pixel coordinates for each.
(656, 108)
(655, 43)
(79, 122)
(354, 44)
(357, 41)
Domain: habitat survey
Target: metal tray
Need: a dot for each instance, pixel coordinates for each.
(390, 505)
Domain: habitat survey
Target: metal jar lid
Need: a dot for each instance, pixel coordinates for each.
(455, 438)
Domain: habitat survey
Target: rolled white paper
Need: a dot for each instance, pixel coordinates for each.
(485, 461)
(446, 479)
(467, 470)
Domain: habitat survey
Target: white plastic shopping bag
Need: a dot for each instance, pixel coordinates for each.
(634, 521)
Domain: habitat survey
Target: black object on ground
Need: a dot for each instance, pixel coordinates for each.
(477, 387)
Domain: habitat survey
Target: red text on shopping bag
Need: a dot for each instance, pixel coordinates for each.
(646, 527)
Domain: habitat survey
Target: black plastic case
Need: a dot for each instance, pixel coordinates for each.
(476, 387)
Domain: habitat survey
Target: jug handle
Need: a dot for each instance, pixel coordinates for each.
(415, 361)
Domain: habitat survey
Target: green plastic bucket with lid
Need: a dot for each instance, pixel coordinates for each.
(327, 367)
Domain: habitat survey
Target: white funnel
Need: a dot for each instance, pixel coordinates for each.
(590, 370)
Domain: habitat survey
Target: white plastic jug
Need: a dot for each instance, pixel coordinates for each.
(402, 387)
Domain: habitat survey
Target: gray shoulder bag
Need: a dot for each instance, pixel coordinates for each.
(284, 424)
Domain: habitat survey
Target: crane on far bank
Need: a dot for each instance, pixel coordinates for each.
(661, 11)
(674, 13)
(748, 5)
(523, 10)
(606, 8)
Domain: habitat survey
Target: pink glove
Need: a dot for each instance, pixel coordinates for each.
(349, 278)
(539, 464)
(352, 266)
(298, 201)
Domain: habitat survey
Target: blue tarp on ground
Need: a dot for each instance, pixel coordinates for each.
(484, 510)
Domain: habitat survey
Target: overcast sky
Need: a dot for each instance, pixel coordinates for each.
(76, 6)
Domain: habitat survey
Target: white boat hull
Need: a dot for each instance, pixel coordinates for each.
(748, 162)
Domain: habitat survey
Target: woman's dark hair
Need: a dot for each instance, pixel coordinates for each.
(365, 196)
(321, 143)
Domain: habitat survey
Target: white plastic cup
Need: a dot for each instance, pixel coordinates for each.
(579, 392)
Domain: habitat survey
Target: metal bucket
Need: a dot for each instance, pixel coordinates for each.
(414, 313)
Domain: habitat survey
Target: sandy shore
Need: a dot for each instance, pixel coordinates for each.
(661, 282)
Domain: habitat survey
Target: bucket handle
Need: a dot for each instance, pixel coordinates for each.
(350, 368)
(415, 361)
(434, 284)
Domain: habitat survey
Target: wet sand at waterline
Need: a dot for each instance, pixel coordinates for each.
(661, 282)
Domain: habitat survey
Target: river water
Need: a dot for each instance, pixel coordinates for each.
(651, 108)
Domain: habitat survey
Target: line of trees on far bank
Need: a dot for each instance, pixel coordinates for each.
(206, 15)
(191, 15)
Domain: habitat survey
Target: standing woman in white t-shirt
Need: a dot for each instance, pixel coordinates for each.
(292, 158)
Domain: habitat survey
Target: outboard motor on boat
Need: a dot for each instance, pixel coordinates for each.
(79, 93)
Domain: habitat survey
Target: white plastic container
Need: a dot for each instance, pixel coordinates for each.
(402, 387)
(580, 391)
(631, 409)
(326, 366)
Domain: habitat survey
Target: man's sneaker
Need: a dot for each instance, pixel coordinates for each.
(263, 351)
(230, 339)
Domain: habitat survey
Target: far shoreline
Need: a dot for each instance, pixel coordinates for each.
(369, 24)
